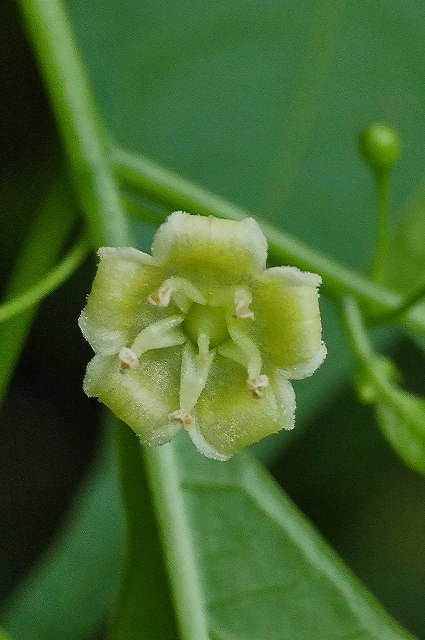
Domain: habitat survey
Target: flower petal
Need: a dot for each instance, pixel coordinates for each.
(142, 397)
(287, 320)
(229, 416)
(117, 307)
(210, 250)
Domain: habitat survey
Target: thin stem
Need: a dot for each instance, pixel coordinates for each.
(409, 301)
(383, 238)
(138, 210)
(48, 283)
(78, 120)
(139, 174)
(178, 545)
(357, 336)
(361, 346)
(54, 221)
(416, 296)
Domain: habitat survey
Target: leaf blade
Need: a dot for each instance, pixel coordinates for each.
(324, 602)
(67, 594)
(401, 416)
(276, 570)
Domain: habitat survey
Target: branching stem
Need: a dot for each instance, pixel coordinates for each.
(355, 330)
(143, 176)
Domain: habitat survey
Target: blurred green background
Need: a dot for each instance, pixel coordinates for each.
(262, 102)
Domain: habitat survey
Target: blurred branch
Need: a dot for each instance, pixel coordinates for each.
(78, 119)
(43, 244)
(47, 284)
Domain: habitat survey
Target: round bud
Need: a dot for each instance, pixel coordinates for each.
(379, 146)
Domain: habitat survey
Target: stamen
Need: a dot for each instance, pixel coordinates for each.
(257, 384)
(183, 292)
(182, 416)
(161, 297)
(129, 359)
(193, 377)
(246, 350)
(194, 372)
(164, 333)
(247, 346)
(203, 345)
(243, 299)
(229, 350)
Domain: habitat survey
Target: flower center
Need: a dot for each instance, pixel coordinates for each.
(203, 319)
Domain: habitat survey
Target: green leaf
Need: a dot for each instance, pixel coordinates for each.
(53, 221)
(264, 570)
(401, 416)
(68, 594)
(418, 338)
(81, 579)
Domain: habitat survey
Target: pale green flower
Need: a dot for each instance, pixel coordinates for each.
(201, 335)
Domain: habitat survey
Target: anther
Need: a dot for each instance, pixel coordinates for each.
(257, 384)
(183, 416)
(128, 359)
(242, 301)
(161, 297)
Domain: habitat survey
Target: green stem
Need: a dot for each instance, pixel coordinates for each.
(48, 283)
(382, 244)
(78, 122)
(408, 303)
(54, 221)
(144, 176)
(356, 333)
(77, 118)
(138, 173)
(413, 298)
(138, 210)
(361, 346)
(177, 542)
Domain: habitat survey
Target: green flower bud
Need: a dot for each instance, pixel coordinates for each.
(201, 335)
(380, 147)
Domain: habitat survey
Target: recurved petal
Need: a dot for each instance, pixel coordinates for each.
(287, 320)
(117, 307)
(143, 397)
(229, 416)
(210, 250)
